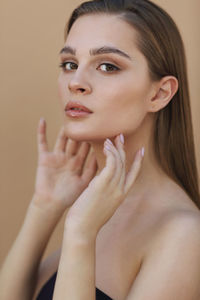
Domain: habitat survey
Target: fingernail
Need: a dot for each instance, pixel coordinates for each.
(106, 149)
(107, 146)
(122, 138)
(142, 151)
(41, 119)
(109, 141)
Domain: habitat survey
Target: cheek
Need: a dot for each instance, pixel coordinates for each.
(125, 106)
(128, 96)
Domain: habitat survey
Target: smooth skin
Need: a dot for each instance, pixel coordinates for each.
(156, 209)
(105, 192)
(145, 242)
(95, 206)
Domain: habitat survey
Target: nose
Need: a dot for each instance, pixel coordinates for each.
(77, 86)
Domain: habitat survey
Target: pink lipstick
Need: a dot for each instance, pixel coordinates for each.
(76, 109)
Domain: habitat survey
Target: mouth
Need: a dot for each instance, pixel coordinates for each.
(76, 109)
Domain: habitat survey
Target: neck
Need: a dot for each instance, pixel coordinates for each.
(149, 179)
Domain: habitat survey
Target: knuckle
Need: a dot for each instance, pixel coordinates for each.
(123, 156)
(107, 175)
(122, 152)
(120, 162)
(137, 164)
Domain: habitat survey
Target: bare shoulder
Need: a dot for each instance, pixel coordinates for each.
(177, 214)
(186, 220)
(181, 226)
(170, 268)
(46, 269)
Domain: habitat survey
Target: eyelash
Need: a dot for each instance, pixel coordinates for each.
(63, 65)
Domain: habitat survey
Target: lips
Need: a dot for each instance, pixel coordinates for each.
(76, 106)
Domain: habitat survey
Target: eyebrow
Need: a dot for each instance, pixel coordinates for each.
(96, 51)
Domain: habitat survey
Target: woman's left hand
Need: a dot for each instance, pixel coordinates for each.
(105, 192)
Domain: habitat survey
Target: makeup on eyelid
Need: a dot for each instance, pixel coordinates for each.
(63, 66)
(103, 59)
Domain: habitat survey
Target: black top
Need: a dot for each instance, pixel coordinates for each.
(46, 293)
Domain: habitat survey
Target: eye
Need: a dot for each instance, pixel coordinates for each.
(65, 64)
(109, 67)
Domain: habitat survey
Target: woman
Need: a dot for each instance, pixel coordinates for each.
(132, 227)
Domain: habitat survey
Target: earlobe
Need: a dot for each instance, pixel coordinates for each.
(166, 89)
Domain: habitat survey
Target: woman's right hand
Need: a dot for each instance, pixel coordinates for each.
(63, 174)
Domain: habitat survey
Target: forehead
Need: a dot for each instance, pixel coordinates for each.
(93, 30)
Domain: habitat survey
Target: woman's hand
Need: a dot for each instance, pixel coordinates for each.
(105, 193)
(63, 174)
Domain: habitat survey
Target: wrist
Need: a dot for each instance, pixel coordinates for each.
(46, 207)
(77, 234)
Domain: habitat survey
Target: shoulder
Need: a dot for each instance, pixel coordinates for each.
(183, 220)
(180, 228)
(178, 215)
(171, 267)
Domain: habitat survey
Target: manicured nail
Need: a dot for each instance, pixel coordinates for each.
(109, 141)
(122, 138)
(107, 146)
(142, 151)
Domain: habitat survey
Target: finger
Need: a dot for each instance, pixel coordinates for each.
(120, 146)
(61, 141)
(80, 158)
(71, 147)
(119, 164)
(109, 170)
(83, 152)
(41, 136)
(90, 169)
(132, 174)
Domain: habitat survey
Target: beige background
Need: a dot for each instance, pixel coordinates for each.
(31, 35)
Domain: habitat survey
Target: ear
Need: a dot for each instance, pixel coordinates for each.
(164, 91)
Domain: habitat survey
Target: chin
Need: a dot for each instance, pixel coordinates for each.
(81, 135)
(78, 135)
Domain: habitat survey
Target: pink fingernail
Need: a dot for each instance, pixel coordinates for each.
(109, 141)
(107, 147)
(142, 151)
(122, 138)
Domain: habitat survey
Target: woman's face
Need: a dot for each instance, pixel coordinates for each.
(116, 88)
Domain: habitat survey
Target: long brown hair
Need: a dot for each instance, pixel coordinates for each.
(160, 42)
